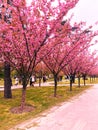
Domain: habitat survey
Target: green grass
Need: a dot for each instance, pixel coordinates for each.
(41, 98)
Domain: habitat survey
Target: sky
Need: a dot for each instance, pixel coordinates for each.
(87, 11)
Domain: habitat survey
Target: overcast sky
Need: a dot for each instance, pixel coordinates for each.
(86, 10)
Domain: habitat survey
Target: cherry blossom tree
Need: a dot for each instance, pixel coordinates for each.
(89, 63)
(40, 71)
(30, 30)
(65, 48)
(5, 16)
(93, 73)
(80, 66)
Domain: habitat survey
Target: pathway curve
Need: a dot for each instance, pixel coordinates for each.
(80, 113)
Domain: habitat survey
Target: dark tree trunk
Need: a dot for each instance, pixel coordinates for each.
(79, 81)
(23, 98)
(40, 79)
(84, 79)
(7, 81)
(84, 82)
(55, 85)
(71, 83)
(73, 78)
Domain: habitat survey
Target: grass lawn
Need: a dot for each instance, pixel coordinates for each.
(66, 81)
(41, 98)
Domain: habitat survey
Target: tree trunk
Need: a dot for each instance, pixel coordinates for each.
(55, 85)
(70, 84)
(7, 81)
(40, 79)
(23, 95)
(71, 81)
(73, 78)
(90, 79)
(84, 82)
(23, 99)
(79, 81)
(84, 78)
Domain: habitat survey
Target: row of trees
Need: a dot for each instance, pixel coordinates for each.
(39, 33)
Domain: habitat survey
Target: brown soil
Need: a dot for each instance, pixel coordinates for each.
(18, 110)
